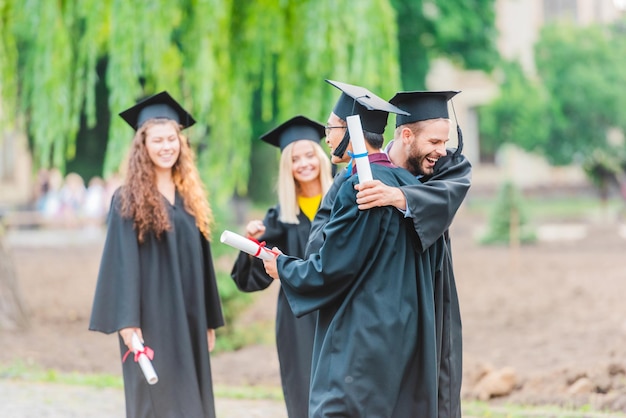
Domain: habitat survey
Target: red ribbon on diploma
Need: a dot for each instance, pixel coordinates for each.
(261, 245)
(146, 350)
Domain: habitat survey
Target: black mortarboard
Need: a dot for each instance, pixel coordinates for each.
(161, 105)
(422, 105)
(296, 128)
(373, 110)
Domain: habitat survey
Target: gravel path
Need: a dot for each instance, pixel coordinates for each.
(53, 400)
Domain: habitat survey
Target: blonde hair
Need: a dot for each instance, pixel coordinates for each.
(287, 187)
(140, 198)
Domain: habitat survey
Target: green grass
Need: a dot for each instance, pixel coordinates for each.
(22, 372)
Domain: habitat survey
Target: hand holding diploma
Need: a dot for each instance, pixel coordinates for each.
(143, 356)
(361, 160)
(270, 265)
(248, 245)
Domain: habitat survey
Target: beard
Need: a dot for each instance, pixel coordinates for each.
(414, 165)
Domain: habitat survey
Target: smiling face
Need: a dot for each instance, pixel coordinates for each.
(428, 145)
(163, 145)
(305, 165)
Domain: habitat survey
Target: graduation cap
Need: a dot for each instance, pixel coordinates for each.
(422, 105)
(162, 106)
(297, 128)
(425, 105)
(373, 110)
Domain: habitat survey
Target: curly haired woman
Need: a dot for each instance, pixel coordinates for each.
(156, 275)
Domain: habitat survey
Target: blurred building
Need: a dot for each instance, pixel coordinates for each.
(518, 23)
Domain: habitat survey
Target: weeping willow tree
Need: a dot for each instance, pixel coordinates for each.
(214, 55)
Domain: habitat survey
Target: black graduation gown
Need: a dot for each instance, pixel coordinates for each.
(433, 202)
(294, 336)
(167, 288)
(375, 350)
(433, 205)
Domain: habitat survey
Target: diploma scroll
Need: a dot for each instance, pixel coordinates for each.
(247, 245)
(144, 361)
(358, 147)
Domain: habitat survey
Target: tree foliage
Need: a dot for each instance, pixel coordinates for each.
(460, 30)
(219, 57)
(214, 55)
(567, 111)
(517, 116)
(582, 69)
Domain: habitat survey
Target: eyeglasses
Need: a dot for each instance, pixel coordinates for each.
(327, 128)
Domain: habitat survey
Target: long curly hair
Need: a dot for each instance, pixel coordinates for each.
(140, 199)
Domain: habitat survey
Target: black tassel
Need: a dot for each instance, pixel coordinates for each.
(459, 149)
(343, 145)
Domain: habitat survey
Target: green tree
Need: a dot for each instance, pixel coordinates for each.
(581, 68)
(213, 54)
(517, 115)
(460, 30)
(566, 112)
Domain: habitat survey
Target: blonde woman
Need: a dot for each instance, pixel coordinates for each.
(304, 177)
(156, 276)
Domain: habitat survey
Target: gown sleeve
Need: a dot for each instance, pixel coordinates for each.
(117, 295)
(324, 277)
(434, 202)
(248, 272)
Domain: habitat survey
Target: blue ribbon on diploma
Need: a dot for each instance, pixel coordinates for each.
(352, 157)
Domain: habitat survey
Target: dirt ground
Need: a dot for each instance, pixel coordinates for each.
(543, 324)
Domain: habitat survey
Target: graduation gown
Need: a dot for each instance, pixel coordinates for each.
(294, 336)
(433, 205)
(433, 202)
(375, 350)
(167, 288)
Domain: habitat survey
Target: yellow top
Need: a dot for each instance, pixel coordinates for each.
(309, 205)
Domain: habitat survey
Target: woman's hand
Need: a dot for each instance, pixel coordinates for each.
(255, 229)
(210, 336)
(127, 336)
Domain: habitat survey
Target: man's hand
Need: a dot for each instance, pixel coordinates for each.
(374, 193)
(270, 265)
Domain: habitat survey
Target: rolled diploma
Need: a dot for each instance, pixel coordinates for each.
(144, 361)
(246, 245)
(358, 147)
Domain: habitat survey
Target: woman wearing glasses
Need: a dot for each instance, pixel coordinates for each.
(304, 177)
